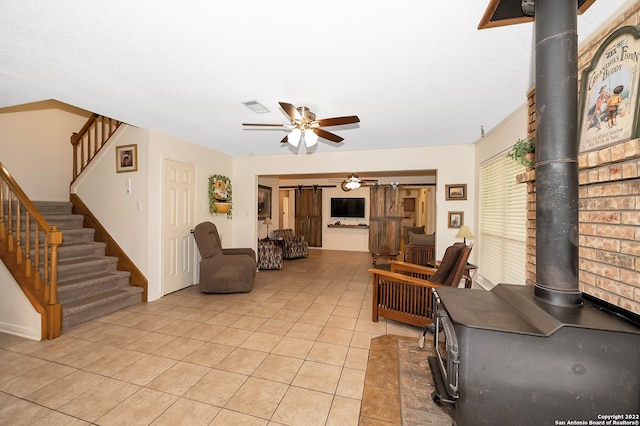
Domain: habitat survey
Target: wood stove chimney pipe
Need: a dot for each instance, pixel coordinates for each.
(556, 152)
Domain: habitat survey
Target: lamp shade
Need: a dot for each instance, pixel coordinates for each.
(267, 221)
(464, 232)
(294, 137)
(310, 137)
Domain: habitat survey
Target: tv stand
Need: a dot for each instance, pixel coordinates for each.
(349, 226)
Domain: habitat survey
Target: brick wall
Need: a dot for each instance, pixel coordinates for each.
(609, 205)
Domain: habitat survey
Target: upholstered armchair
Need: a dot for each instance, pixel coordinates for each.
(403, 293)
(294, 246)
(223, 270)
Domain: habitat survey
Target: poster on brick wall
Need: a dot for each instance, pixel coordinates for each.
(609, 92)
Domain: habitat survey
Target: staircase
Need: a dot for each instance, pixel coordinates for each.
(89, 284)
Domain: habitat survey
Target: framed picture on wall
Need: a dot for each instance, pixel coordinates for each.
(456, 219)
(456, 192)
(264, 202)
(609, 92)
(126, 158)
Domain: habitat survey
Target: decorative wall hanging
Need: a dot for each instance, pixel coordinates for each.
(456, 219)
(127, 158)
(609, 92)
(456, 192)
(264, 202)
(220, 195)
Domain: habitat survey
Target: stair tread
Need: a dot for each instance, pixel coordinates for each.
(102, 298)
(93, 277)
(79, 244)
(86, 260)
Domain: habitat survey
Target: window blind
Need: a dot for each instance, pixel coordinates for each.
(503, 223)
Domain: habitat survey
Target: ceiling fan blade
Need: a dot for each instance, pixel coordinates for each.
(285, 139)
(265, 125)
(336, 121)
(291, 111)
(328, 136)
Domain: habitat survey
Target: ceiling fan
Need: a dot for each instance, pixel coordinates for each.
(354, 182)
(304, 125)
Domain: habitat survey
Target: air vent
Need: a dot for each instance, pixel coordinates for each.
(256, 107)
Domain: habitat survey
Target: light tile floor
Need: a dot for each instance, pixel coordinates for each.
(293, 351)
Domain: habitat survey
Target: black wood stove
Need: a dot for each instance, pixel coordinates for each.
(509, 359)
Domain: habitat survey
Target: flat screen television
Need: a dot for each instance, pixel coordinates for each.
(347, 207)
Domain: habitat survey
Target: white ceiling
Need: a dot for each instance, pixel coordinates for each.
(416, 72)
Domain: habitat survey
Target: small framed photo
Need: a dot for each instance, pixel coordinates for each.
(127, 158)
(456, 219)
(456, 192)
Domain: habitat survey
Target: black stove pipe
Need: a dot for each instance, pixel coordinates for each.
(556, 152)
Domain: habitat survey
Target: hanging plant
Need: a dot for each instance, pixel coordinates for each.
(220, 195)
(524, 152)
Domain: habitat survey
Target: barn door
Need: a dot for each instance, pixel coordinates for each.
(385, 219)
(309, 215)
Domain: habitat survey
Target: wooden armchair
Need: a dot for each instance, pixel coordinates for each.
(404, 292)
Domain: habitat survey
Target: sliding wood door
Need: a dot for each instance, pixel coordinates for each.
(385, 219)
(309, 215)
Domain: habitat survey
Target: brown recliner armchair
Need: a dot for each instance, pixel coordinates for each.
(223, 270)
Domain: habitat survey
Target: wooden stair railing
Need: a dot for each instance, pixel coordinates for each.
(90, 139)
(22, 258)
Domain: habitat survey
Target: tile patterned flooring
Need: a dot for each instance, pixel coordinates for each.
(293, 351)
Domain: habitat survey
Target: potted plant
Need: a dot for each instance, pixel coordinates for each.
(524, 152)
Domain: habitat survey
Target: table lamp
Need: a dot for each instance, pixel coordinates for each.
(267, 222)
(464, 233)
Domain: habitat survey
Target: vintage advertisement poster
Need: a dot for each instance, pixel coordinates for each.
(609, 92)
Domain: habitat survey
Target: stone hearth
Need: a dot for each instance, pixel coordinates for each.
(398, 385)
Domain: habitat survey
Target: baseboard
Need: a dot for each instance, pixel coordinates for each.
(15, 330)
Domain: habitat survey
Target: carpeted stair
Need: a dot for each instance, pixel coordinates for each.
(89, 285)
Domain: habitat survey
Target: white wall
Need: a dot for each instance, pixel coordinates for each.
(104, 191)
(455, 165)
(39, 135)
(17, 315)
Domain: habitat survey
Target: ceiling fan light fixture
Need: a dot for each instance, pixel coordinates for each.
(294, 137)
(310, 138)
(352, 184)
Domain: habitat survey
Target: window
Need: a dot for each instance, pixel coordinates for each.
(503, 223)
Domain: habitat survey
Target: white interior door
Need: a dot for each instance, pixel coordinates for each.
(285, 213)
(178, 243)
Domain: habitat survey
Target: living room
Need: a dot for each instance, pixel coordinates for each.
(132, 204)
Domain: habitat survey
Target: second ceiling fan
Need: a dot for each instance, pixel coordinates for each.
(354, 182)
(305, 126)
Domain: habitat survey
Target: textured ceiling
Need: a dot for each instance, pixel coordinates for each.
(416, 72)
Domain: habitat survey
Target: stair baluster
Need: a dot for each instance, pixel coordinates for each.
(17, 257)
(90, 139)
